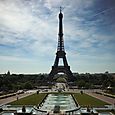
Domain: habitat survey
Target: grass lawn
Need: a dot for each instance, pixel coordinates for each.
(84, 100)
(34, 99)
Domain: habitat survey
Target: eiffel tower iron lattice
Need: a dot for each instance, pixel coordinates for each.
(60, 54)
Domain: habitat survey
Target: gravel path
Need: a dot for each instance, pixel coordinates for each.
(13, 98)
(103, 98)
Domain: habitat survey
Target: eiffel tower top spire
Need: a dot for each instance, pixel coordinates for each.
(60, 35)
(60, 9)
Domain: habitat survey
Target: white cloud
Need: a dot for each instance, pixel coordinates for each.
(32, 27)
(22, 26)
(52, 3)
(13, 59)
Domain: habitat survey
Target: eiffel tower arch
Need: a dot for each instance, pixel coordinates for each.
(60, 54)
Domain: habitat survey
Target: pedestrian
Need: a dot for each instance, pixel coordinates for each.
(17, 97)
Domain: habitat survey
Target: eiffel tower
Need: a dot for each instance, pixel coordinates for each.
(61, 55)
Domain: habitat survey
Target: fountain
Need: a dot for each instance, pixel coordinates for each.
(64, 101)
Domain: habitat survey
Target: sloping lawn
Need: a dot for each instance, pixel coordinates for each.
(34, 99)
(86, 100)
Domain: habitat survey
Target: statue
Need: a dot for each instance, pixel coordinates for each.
(23, 109)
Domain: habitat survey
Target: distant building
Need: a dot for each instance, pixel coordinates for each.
(8, 73)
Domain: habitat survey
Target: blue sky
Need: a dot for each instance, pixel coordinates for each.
(29, 34)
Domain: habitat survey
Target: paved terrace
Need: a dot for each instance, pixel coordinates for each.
(103, 98)
(13, 98)
(89, 92)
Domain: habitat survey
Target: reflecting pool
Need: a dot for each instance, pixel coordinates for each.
(65, 101)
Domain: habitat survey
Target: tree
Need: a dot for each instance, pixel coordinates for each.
(87, 85)
(81, 83)
(28, 85)
(61, 79)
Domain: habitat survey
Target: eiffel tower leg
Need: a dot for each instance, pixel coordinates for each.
(56, 61)
(65, 61)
